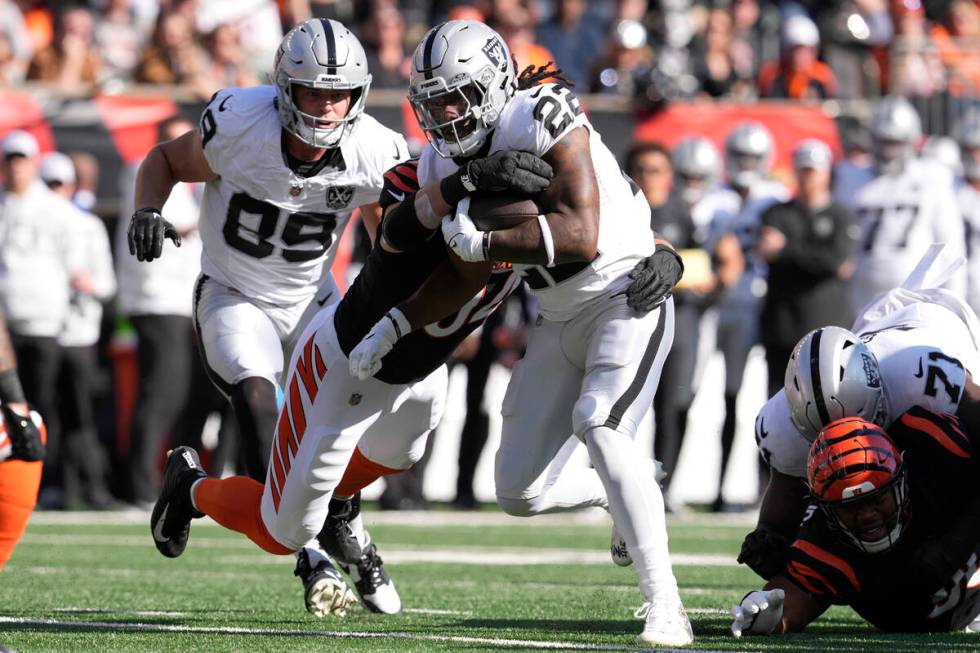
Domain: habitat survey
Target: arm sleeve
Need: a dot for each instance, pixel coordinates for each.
(818, 568)
(399, 182)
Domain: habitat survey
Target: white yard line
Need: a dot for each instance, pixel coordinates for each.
(228, 630)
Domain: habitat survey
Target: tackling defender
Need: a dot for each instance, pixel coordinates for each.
(284, 165)
(592, 362)
(916, 345)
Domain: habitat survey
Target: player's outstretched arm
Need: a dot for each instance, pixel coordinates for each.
(780, 607)
(25, 437)
(785, 500)
(180, 159)
(447, 289)
(570, 228)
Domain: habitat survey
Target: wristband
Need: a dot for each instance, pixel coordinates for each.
(11, 390)
(549, 241)
(402, 326)
(486, 245)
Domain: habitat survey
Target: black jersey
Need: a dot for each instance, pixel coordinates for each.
(388, 279)
(942, 463)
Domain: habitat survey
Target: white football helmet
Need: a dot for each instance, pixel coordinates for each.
(895, 130)
(968, 137)
(832, 374)
(748, 154)
(697, 165)
(460, 63)
(320, 53)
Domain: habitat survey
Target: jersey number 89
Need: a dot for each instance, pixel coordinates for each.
(299, 228)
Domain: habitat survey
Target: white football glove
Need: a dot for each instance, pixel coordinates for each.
(467, 242)
(759, 613)
(365, 358)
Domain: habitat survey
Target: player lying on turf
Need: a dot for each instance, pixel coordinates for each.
(916, 345)
(893, 531)
(22, 436)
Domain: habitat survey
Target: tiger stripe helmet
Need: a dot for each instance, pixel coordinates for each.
(854, 460)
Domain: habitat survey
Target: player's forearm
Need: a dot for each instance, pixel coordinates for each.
(573, 238)
(154, 181)
(7, 359)
(431, 207)
(448, 288)
(11, 391)
(783, 504)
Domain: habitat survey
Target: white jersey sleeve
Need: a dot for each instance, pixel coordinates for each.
(538, 118)
(780, 443)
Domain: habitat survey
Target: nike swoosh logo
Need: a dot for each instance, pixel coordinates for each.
(158, 531)
(398, 153)
(221, 107)
(397, 196)
(323, 301)
(918, 374)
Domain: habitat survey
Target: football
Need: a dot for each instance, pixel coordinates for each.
(494, 211)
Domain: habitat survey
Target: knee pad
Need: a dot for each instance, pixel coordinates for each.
(517, 507)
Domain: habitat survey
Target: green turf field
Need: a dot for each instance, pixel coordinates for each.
(84, 582)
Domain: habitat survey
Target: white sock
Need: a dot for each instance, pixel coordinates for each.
(357, 526)
(315, 553)
(637, 507)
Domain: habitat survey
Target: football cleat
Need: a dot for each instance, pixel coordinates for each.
(665, 624)
(373, 584)
(170, 521)
(337, 536)
(324, 589)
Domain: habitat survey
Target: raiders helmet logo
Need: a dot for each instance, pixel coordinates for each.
(339, 197)
(494, 50)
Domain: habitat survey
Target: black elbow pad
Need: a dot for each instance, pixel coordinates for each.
(401, 228)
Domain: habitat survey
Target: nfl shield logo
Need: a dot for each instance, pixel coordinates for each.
(355, 399)
(339, 197)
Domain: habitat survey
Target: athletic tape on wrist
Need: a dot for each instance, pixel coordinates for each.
(549, 241)
(402, 326)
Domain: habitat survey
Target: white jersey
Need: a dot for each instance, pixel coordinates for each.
(37, 260)
(91, 245)
(743, 218)
(533, 121)
(924, 346)
(267, 232)
(900, 216)
(968, 199)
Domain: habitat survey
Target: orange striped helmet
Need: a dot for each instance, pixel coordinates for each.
(853, 460)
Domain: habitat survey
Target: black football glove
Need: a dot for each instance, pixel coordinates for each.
(765, 552)
(653, 279)
(510, 170)
(147, 230)
(25, 436)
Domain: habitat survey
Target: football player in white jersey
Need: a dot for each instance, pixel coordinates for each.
(907, 206)
(737, 208)
(968, 198)
(284, 165)
(593, 362)
(916, 345)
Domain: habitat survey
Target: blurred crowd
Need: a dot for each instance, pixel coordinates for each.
(107, 345)
(653, 51)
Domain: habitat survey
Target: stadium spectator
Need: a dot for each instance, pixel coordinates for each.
(15, 44)
(852, 33)
(158, 301)
(798, 74)
(39, 19)
(515, 22)
(957, 38)
(808, 243)
(84, 460)
(71, 61)
(38, 265)
(256, 25)
(914, 66)
(226, 65)
(626, 60)
(119, 38)
(573, 40)
(173, 55)
(384, 45)
(756, 38)
(714, 66)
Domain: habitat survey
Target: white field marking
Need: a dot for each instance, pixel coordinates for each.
(449, 613)
(593, 516)
(508, 558)
(462, 555)
(138, 613)
(229, 630)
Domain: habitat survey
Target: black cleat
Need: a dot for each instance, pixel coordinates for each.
(170, 521)
(372, 582)
(337, 537)
(324, 589)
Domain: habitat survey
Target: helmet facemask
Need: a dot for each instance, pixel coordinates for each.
(896, 492)
(307, 127)
(457, 119)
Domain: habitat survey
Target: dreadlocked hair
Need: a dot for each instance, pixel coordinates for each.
(532, 76)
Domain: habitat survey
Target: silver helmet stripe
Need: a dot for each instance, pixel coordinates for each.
(816, 376)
